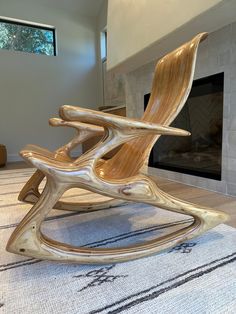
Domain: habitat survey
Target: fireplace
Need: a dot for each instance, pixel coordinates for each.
(201, 153)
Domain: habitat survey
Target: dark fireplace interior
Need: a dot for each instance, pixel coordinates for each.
(202, 115)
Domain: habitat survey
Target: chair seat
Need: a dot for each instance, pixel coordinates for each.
(44, 159)
(33, 153)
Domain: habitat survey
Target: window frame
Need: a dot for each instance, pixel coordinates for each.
(33, 25)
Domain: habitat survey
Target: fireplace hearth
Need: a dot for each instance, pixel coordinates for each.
(201, 153)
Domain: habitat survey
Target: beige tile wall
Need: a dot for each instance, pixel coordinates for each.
(216, 54)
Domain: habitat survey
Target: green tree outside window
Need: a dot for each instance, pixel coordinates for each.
(27, 39)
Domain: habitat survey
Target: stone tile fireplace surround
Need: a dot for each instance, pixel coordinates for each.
(216, 54)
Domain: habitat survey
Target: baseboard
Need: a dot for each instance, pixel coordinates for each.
(13, 158)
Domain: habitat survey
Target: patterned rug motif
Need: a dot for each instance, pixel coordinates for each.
(198, 276)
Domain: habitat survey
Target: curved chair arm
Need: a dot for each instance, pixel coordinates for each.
(84, 132)
(118, 130)
(90, 128)
(127, 125)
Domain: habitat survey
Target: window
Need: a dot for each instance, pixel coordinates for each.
(103, 50)
(103, 45)
(26, 37)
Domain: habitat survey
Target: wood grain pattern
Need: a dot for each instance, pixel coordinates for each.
(124, 176)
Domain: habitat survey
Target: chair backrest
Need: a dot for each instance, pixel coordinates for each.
(170, 89)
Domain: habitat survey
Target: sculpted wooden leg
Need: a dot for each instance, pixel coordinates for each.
(28, 240)
(30, 192)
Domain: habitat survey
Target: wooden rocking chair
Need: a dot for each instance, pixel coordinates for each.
(124, 177)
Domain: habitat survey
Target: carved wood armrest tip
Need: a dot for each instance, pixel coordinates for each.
(55, 122)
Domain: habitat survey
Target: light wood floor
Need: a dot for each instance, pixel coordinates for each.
(189, 193)
(16, 165)
(201, 196)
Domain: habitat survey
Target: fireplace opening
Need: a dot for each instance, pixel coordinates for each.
(201, 153)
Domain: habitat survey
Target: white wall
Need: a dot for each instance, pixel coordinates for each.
(139, 31)
(32, 87)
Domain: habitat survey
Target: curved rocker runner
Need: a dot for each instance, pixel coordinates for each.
(122, 178)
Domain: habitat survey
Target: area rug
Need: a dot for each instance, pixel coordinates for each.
(198, 276)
